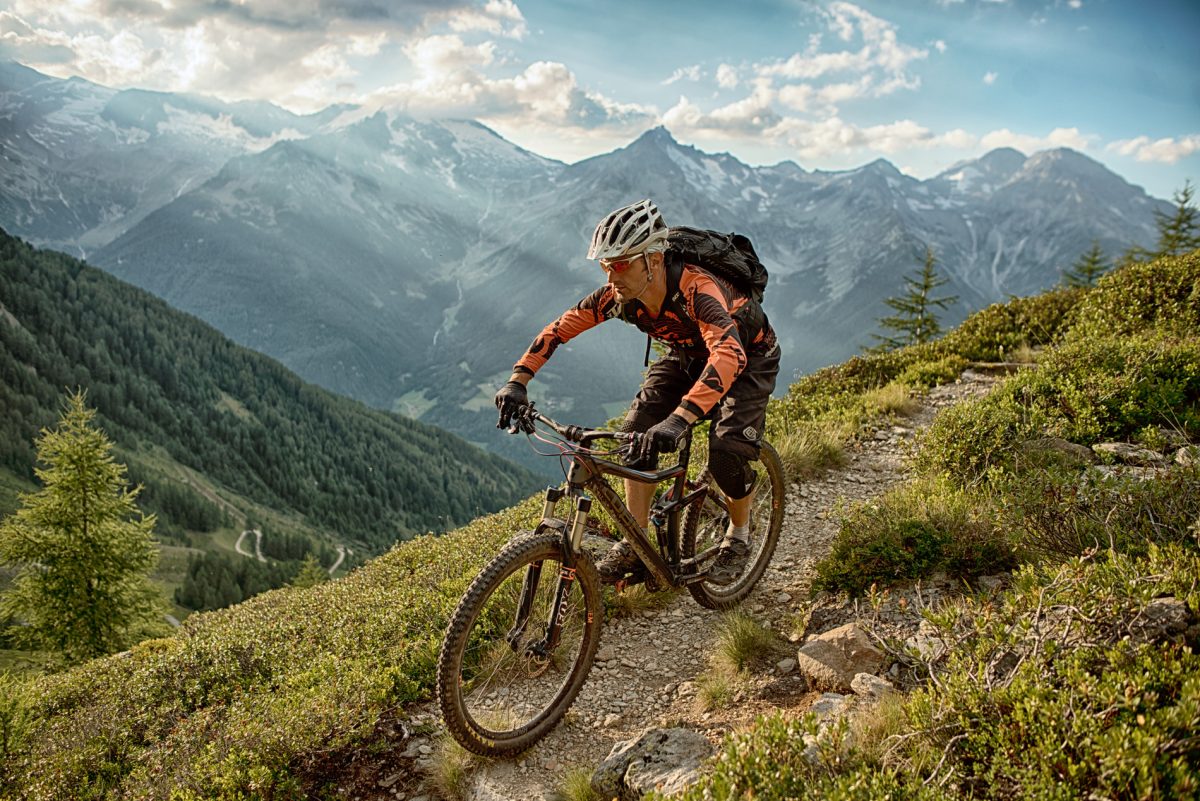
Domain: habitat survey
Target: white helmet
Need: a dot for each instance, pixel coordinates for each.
(637, 228)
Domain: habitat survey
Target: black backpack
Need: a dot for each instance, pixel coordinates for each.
(729, 256)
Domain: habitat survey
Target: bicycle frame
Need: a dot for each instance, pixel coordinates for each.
(587, 473)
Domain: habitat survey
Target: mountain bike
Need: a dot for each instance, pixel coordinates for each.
(521, 642)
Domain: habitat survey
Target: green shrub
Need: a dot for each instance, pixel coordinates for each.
(995, 333)
(1058, 514)
(1063, 690)
(1085, 391)
(908, 533)
(769, 763)
(1163, 294)
(832, 391)
(14, 713)
(933, 373)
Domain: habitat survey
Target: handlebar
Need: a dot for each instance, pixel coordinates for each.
(524, 416)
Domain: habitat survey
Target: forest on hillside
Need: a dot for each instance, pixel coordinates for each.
(161, 379)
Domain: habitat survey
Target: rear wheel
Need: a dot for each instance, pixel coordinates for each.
(704, 526)
(500, 688)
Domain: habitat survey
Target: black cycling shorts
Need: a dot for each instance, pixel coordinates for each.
(738, 418)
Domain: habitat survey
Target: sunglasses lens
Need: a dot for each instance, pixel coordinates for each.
(617, 265)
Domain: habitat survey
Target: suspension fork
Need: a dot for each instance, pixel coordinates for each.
(533, 574)
(572, 541)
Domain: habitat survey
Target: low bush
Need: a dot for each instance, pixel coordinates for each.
(14, 713)
(1058, 514)
(1075, 684)
(925, 374)
(997, 332)
(834, 392)
(1162, 294)
(908, 533)
(1085, 391)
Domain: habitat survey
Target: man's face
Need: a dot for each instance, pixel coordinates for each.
(627, 276)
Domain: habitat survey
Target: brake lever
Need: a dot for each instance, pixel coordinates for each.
(521, 420)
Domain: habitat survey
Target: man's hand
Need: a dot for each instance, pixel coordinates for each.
(510, 396)
(663, 436)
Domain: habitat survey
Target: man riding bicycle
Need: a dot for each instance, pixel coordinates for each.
(723, 354)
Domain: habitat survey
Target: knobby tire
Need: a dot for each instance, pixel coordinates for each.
(494, 700)
(704, 526)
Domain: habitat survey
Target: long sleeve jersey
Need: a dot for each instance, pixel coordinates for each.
(702, 317)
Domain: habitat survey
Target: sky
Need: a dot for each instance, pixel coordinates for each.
(824, 83)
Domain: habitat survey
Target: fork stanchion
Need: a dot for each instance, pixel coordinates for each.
(579, 521)
(553, 496)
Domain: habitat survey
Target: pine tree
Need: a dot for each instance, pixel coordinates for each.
(916, 320)
(311, 573)
(1087, 269)
(82, 547)
(1178, 233)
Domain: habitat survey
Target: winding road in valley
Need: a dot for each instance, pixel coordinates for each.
(238, 546)
(257, 545)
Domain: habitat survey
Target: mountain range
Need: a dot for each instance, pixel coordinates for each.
(409, 262)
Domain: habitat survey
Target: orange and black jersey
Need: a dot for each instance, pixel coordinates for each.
(703, 317)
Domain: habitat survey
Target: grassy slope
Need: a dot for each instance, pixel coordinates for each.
(1069, 685)
(255, 701)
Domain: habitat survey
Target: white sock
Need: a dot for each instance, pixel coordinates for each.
(738, 533)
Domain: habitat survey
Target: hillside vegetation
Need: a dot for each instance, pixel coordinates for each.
(1082, 680)
(172, 392)
(275, 698)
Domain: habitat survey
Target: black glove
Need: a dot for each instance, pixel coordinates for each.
(510, 396)
(662, 436)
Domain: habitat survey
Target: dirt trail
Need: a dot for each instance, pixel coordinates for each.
(647, 665)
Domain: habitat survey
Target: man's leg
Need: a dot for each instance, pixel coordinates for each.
(733, 444)
(739, 510)
(638, 497)
(665, 383)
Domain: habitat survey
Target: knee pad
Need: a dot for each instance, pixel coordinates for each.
(732, 472)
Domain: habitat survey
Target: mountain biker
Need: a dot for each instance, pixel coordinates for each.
(723, 354)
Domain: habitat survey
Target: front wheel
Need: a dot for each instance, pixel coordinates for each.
(500, 684)
(704, 526)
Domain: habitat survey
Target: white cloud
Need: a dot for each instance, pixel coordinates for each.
(727, 77)
(1165, 151)
(498, 17)
(452, 80)
(939, 45)
(1059, 137)
(835, 93)
(796, 96)
(958, 139)
(691, 73)
(750, 115)
(822, 139)
(879, 66)
(298, 53)
(1075, 4)
(990, 77)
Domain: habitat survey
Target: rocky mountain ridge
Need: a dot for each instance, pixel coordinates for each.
(408, 262)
